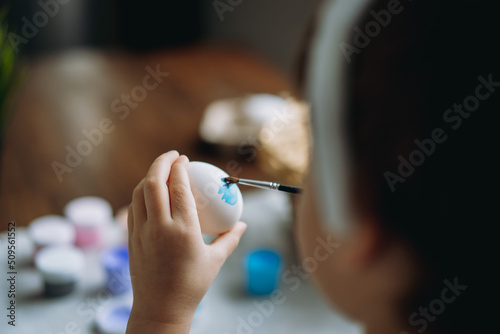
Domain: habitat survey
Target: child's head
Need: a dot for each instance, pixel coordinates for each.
(421, 99)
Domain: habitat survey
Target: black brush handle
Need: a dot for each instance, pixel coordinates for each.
(290, 189)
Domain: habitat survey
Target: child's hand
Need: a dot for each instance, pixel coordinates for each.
(170, 265)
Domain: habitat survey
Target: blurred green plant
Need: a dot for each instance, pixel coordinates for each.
(7, 63)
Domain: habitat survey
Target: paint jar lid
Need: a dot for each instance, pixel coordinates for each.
(115, 258)
(60, 264)
(113, 318)
(51, 230)
(262, 271)
(115, 262)
(89, 211)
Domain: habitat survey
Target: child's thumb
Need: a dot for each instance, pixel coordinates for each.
(224, 245)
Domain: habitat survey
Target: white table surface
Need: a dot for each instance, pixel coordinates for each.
(225, 307)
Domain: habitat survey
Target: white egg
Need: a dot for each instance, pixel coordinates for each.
(219, 206)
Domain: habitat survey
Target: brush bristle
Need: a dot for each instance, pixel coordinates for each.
(231, 179)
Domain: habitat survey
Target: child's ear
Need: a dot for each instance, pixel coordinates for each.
(366, 242)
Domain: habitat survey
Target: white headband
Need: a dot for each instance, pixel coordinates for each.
(327, 93)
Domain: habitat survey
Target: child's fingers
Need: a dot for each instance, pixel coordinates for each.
(130, 224)
(182, 202)
(138, 205)
(226, 243)
(130, 219)
(155, 185)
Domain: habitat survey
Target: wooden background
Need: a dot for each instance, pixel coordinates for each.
(64, 94)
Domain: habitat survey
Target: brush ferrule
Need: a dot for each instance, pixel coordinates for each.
(259, 184)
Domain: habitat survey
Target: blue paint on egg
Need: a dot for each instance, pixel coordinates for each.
(229, 193)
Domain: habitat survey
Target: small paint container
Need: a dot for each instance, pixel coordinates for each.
(25, 247)
(90, 215)
(61, 268)
(51, 230)
(262, 268)
(121, 217)
(119, 229)
(113, 318)
(115, 262)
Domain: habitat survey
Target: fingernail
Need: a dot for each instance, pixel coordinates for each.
(243, 226)
(185, 159)
(173, 152)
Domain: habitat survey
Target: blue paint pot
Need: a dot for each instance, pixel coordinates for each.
(113, 318)
(115, 262)
(263, 267)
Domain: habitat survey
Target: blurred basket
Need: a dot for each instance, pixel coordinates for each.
(285, 143)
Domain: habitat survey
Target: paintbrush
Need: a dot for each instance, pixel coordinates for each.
(262, 184)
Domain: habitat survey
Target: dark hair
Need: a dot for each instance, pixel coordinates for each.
(432, 55)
